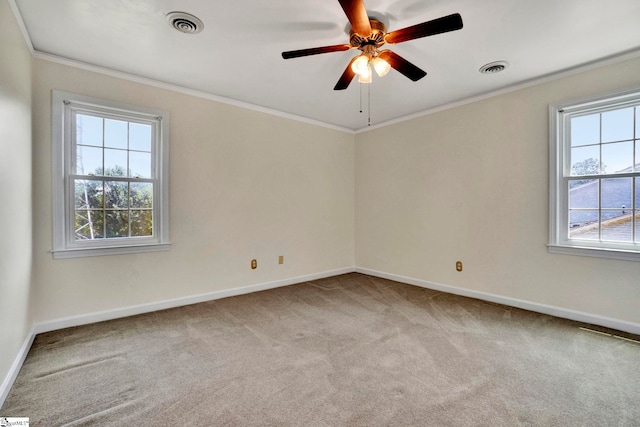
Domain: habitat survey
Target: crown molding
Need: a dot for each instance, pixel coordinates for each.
(23, 28)
(632, 54)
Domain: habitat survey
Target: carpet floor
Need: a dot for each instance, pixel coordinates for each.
(350, 350)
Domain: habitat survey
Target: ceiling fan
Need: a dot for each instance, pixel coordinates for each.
(368, 35)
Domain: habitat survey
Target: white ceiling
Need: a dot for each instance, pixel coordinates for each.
(238, 54)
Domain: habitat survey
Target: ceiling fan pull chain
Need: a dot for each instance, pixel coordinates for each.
(369, 106)
(360, 87)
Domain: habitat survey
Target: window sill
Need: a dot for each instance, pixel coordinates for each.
(621, 254)
(102, 251)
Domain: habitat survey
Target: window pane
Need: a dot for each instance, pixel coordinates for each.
(88, 160)
(637, 122)
(89, 225)
(115, 133)
(139, 137)
(116, 194)
(616, 193)
(583, 224)
(115, 162)
(637, 162)
(585, 130)
(141, 223)
(617, 125)
(584, 195)
(141, 195)
(616, 226)
(88, 130)
(637, 208)
(88, 194)
(616, 215)
(617, 157)
(585, 160)
(140, 164)
(117, 224)
(608, 214)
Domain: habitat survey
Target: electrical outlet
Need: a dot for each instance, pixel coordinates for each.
(281, 259)
(254, 264)
(459, 265)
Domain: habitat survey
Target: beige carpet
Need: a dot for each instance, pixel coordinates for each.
(349, 350)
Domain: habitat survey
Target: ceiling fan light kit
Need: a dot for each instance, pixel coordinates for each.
(368, 35)
(361, 65)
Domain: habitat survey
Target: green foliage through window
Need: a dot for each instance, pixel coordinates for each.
(108, 208)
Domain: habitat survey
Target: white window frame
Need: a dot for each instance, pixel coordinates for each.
(63, 139)
(559, 168)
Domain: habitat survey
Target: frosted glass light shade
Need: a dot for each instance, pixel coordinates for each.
(361, 65)
(366, 76)
(381, 66)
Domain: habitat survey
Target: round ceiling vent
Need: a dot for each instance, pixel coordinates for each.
(494, 67)
(185, 22)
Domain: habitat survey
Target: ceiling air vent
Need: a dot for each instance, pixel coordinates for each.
(494, 67)
(185, 22)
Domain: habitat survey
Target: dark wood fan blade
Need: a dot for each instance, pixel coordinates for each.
(357, 15)
(429, 28)
(315, 51)
(402, 65)
(346, 77)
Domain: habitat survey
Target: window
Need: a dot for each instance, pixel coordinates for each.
(595, 176)
(110, 185)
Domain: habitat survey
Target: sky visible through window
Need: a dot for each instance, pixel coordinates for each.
(608, 138)
(114, 142)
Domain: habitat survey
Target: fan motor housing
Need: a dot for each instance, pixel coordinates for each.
(376, 38)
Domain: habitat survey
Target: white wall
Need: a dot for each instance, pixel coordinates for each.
(471, 184)
(243, 185)
(15, 191)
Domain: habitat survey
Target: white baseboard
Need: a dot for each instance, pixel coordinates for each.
(565, 313)
(117, 313)
(16, 366)
(100, 316)
(67, 322)
(608, 322)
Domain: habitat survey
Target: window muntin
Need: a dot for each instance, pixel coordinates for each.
(111, 190)
(595, 176)
(112, 176)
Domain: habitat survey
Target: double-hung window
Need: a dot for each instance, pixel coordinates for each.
(595, 176)
(110, 177)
